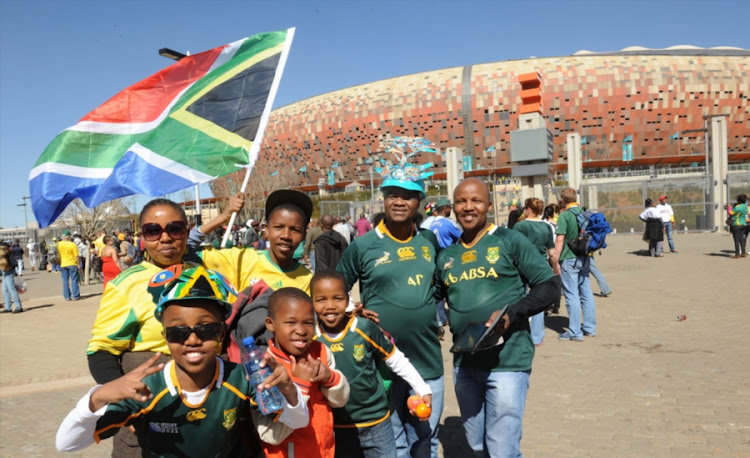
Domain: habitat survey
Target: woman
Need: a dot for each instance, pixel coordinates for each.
(654, 228)
(738, 217)
(110, 260)
(542, 236)
(125, 258)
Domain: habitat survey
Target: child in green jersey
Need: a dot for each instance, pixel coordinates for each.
(363, 426)
(192, 406)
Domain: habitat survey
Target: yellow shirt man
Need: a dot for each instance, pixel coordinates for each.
(68, 253)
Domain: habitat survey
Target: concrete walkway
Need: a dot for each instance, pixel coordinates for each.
(647, 385)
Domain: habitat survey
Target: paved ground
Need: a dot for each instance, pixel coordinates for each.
(647, 385)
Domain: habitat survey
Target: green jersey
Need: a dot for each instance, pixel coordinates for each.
(484, 277)
(167, 425)
(567, 225)
(357, 350)
(539, 233)
(396, 281)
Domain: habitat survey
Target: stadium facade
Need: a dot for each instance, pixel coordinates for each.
(636, 107)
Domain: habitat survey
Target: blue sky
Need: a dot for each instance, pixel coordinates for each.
(59, 60)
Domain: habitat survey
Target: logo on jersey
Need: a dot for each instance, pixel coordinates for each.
(230, 416)
(159, 427)
(469, 256)
(493, 254)
(194, 415)
(359, 352)
(426, 254)
(406, 253)
(385, 259)
(448, 264)
(337, 347)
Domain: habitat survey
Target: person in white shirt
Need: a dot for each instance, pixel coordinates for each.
(342, 228)
(667, 218)
(31, 249)
(654, 228)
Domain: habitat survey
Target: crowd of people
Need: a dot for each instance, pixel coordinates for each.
(358, 379)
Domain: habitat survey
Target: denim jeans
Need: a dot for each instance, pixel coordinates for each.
(492, 406)
(413, 437)
(574, 274)
(374, 441)
(603, 285)
(70, 272)
(537, 328)
(442, 317)
(668, 231)
(9, 290)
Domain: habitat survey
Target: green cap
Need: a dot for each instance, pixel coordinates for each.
(443, 203)
(66, 233)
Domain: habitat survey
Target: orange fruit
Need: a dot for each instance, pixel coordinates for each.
(413, 402)
(423, 411)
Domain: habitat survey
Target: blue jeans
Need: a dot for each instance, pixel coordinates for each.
(413, 437)
(668, 230)
(603, 285)
(576, 284)
(9, 290)
(492, 406)
(72, 273)
(374, 441)
(442, 317)
(537, 328)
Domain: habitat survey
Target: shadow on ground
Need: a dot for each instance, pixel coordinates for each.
(451, 436)
(556, 322)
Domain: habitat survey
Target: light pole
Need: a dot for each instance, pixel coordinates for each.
(25, 216)
(177, 56)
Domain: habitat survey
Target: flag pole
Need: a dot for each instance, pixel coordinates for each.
(253, 153)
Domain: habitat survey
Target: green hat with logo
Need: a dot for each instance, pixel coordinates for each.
(196, 283)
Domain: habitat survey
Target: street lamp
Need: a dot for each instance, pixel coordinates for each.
(171, 54)
(25, 216)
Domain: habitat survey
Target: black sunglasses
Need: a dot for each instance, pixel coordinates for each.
(152, 231)
(207, 331)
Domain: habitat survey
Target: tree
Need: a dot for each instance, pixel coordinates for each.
(90, 221)
(263, 181)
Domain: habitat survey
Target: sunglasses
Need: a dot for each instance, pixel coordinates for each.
(207, 331)
(152, 231)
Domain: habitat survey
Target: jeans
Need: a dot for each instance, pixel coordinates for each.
(739, 234)
(19, 267)
(374, 441)
(537, 328)
(413, 437)
(442, 317)
(604, 288)
(70, 272)
(55, 267)
(9, 291)
(492, 406)
(668, 230)
(574, 274)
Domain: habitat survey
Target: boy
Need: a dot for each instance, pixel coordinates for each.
(191, 405)
(292, 321)
(363, 426)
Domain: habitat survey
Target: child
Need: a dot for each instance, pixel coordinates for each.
(292, 321)
(363, 425)
(192, 405)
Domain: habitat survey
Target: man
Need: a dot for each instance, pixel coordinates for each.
(341, 227)
(514, 213)
(251, 234)
(574, 273)
(430, 210)
(329, 246)
(445, 229)
(480, 276)
(31, 250)
(667, 218)
(363, 225)
(352, 229)
(395, 265)
(16, 256)
(313, 232)
(69, 267)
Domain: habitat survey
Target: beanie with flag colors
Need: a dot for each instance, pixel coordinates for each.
(197, 283)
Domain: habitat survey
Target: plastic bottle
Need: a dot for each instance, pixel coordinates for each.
(21, 287)
(270, 399)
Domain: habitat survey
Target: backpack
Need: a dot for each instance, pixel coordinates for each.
(592, 232)
(6, 263)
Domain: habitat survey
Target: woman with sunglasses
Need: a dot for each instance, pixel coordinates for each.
(125, 333)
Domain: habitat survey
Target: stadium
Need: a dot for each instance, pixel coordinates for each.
(635, 108)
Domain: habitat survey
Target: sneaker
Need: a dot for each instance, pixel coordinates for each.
(18, 311)
(567, 336)
(673, 251)
(735, 257)
(589, 334)
(743, 255)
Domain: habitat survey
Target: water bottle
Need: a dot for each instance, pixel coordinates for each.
(270, 399)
